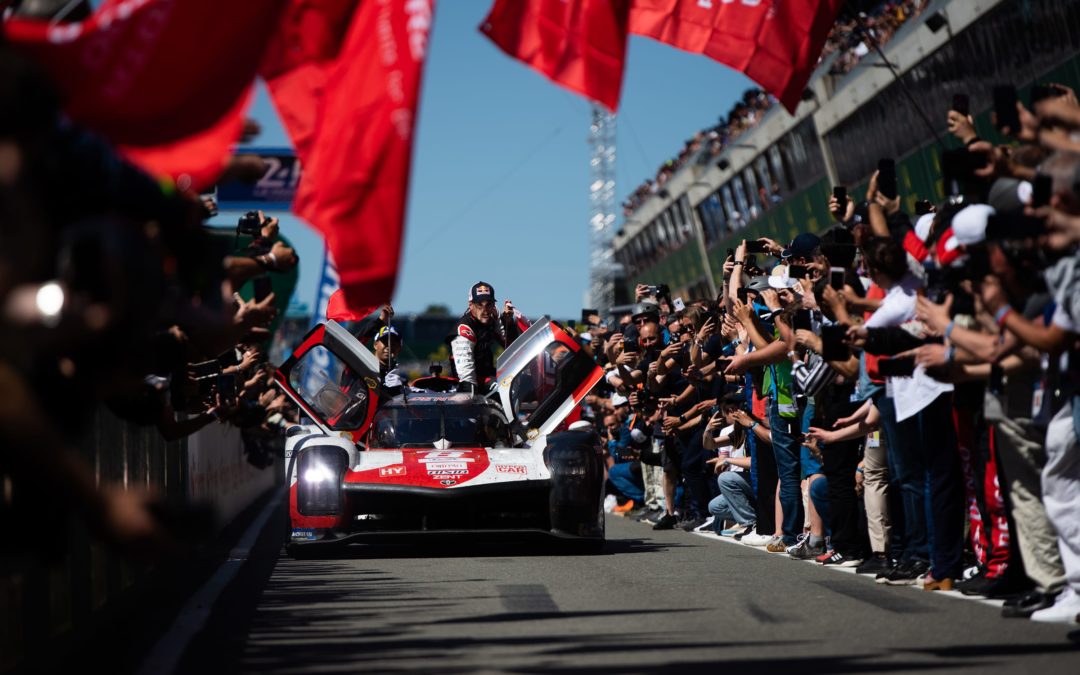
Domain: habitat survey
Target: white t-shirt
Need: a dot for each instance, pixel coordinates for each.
(731, 450)
(910, 394)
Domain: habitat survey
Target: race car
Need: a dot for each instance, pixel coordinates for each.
(441, 461)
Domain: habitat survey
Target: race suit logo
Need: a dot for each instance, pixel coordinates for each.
(466, 332)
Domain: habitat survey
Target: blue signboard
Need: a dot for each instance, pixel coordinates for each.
(273, 192)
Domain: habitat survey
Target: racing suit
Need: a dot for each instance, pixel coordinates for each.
(472, 345)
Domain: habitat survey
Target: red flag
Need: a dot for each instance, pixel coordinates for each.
(338, 310)
(777, 44)
(166, 81)
(351, 108)
(579, 44)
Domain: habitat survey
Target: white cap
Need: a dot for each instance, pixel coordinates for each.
(585, 337)
(637, 435)
(969, 224)
(779, 278)
(923, 225)
(618, 400)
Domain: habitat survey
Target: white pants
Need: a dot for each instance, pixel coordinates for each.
(653, 478)
(1061, 490)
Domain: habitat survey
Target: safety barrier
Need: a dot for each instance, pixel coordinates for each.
(44, 607)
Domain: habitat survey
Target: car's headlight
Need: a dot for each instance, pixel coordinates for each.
(318, 473)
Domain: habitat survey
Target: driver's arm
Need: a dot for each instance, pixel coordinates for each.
(462, 347)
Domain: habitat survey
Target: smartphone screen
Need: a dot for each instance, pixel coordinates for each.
(678, 304)
(797, 271)
(1040, 195)
(833, 347)
(923, 207)
(743, 294)
(1008, 117)
(961, 104)
(836, 278)
(755, 246)
(802, 320)
(886, 181)
(840, 194)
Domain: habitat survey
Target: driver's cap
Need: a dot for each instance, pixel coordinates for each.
(385, 333)
(481, 292)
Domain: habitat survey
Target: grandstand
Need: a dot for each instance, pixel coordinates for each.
(777, 178)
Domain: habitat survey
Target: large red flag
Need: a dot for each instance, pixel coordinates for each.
(349, 101)
(776, 43)
(166, 81)
(579, 44)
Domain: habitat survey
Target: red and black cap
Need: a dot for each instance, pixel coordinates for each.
(481, 292)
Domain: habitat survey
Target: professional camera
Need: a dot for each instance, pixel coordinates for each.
(250, 223)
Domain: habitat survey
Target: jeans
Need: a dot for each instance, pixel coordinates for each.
(736, 500)
(938, 444)
(819, 495)
(693, 471)
(626, 481)
(787, 451)
(908, 476)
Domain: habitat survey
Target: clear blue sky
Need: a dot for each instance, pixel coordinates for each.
(500, 166)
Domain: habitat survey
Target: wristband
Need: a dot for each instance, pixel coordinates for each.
(736, 262)
(949, 329)
(950, 353)
(682, 419)
(1001, 315)
(753, 425)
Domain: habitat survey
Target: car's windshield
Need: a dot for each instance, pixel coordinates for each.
(421, 426)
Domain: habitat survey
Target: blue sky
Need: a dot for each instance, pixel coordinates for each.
(500, 176)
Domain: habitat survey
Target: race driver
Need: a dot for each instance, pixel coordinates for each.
(480, 330)
(387, 348)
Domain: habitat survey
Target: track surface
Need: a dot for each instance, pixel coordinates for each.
(655, 601)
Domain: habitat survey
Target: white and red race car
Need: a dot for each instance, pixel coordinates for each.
(441, 461)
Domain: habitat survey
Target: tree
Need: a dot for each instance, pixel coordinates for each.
(437, 310)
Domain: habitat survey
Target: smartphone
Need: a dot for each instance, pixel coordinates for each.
(802, 320)
(961, 104)
(839, 193)
(797, 271)
(755, 246)
(923, 207)
(836, 277)
(743, 294)
(833, 347)
(226, 385)
(1041, 190)
(897, 367)
(587, 314)
(264, 286)
(1008, 117)
(204, 369)
(1041, 92)
(571, 324)
(1013, 226)
(731, 253)
(678, 305)
(886, 181)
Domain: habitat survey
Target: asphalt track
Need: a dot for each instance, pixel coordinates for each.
(653, 602)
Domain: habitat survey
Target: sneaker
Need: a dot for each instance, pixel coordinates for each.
(777, 545)
(1023, 606)
(624, 508)
(875, 564)
(824, 556)
(691, 524)
(804, 550)
(929, 583)
(746, 531)
(666, 522)
(977, 584)
(610, 502)
(737, 532)
(757, 540)
(1064, 609)
(651, 515)
(706, 525)
(838, 559)
(907, 574)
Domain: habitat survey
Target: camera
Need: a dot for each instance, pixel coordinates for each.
(250, 224)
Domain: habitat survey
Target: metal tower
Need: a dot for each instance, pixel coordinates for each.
(602, 266)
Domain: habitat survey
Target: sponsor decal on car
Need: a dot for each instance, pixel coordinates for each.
(456, 467)
(446, 455)
(511, 468)
(398, 470)
(448, 481)
(303, 534)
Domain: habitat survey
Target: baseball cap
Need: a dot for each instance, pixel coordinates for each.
(969, 224)
(803, 246)
(758, 283)
(619, 400)
(385, 332)
(481, 292)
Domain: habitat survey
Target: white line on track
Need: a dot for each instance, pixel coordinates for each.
(167, 652)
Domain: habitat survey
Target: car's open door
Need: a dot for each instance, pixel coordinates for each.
(334, 379)
(542, 376)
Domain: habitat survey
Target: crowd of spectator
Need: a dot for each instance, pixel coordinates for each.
(897, 394)
(114, 294)
(743, 116)
(851, 37)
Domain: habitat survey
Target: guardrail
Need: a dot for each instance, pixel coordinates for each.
(44, 607)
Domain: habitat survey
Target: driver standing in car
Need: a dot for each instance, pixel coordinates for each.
(387, 348)
(480, 330)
